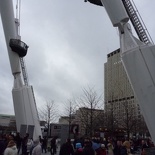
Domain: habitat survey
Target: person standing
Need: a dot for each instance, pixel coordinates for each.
(53, 146)
(18, 141)
(67, 148)
(101, 150)
(29, 146)
(44, 145)
(88, 150)
(11, 148)
(126, 149)
(24, 144)
(110, 149)
(117, 148)
(37, 150)
(2, 144)
(79, 149)
(41, 142)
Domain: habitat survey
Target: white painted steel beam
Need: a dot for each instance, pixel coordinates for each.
(23, 99)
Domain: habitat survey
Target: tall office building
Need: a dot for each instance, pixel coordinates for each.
(121, 106)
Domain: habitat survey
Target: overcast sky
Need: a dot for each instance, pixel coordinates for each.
(68, 45)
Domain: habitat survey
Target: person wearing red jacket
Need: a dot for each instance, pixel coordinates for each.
(101, 150)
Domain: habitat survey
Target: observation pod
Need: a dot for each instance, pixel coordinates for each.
(96, 2)
(18, 46)
(25, 109)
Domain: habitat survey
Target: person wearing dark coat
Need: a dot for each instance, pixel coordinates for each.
(67, 148)
(44, 144)
(144, 146)
(126, 148)
(2, 145)
(117, 148)
(88, 150)
(53, 146)
(24, 144)
(18, 141)
(123, 150)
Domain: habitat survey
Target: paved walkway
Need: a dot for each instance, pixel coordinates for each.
(48, 153)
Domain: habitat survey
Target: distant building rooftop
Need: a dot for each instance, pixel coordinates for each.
(6, 120)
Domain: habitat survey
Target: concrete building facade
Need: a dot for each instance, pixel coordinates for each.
(119, 97)
(89, 120)
(7, 123)
(7, 120)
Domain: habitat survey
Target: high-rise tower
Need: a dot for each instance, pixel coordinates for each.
(121, 106)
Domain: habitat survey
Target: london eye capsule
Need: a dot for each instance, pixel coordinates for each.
(96, 2)
(18, 46)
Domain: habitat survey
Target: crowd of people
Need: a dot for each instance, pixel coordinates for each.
(14, 145)
(99, 146)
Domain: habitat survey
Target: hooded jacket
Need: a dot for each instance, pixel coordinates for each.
(11, 149)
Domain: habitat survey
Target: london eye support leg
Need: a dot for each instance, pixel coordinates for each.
(24, 104)
(138, 59)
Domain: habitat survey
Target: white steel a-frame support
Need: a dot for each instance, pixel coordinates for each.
(24, 104)
(138, 59)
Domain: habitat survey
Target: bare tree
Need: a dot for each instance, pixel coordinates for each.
(128, 120)
(70, 113)
(48, 113)
(90, 108)
(111, 122)
(142, 128)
